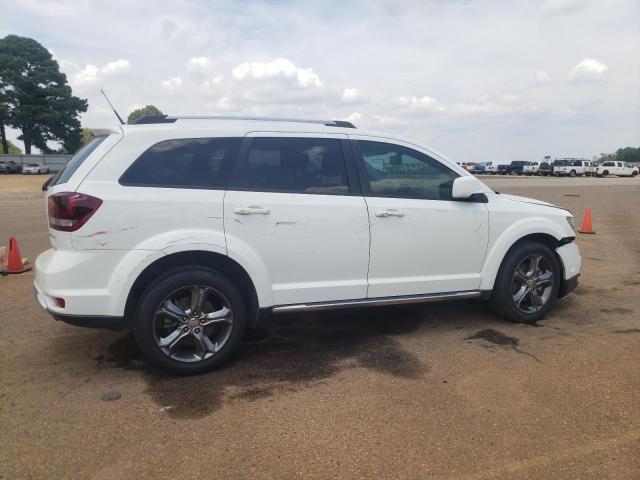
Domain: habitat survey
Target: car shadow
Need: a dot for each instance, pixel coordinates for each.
(293, 351)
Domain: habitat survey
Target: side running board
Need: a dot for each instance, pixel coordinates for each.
(373, 302)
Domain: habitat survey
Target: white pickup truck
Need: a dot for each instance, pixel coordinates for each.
(573, 167)
(621, 169)
(532, 168)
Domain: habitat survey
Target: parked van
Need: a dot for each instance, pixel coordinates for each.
(620, 169)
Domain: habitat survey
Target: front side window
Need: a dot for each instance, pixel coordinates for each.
(184, 163)
(396, 171)
(297, 165)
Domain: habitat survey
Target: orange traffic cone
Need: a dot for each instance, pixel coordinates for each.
(586, 223)
(15, 263)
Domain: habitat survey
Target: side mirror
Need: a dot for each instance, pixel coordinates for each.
(465, 187)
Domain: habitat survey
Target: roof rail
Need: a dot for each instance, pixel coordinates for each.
(170, 119)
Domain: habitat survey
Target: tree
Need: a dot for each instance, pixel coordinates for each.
(142, 112)
(37, 97)
(87, 136)
(628, 154)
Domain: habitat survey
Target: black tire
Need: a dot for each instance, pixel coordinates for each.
(502, 301)
(572, 173)
(160, 289)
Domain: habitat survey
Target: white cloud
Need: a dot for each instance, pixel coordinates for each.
(87, 75)
(424, 104)
(353, 117)
(278, 69)
(171, 83)
(352, 96)
(115, 67)
(588, 70)
(92, 73)
(542, 77)
(202, 65)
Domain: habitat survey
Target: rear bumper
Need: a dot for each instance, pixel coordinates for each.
(91, 321)
(93, 283)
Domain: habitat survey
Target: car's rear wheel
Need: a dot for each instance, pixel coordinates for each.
(527, 283)
(190, 320)
(572, 173)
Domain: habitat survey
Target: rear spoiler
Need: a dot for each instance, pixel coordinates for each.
(103, 132)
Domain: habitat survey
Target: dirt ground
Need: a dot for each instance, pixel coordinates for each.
(438, 391)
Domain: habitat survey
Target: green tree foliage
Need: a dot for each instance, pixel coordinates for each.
(628, 154)
(12, 149)
(37, 97)
(87, 136)
(142, 112)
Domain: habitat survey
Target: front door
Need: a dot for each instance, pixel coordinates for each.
(422, 241)
(293, 209)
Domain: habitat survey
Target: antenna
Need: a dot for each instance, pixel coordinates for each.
(114, 110)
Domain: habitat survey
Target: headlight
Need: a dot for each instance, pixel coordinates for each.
(572, 223)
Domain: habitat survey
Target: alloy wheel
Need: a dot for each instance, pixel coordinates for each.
(532, 284)
(192, 323)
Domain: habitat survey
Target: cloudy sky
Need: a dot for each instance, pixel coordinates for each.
(477, 80)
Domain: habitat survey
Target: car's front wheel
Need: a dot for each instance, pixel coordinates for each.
(190, 320)
(527, 283)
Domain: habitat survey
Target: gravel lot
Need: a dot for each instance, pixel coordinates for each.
(437, 391)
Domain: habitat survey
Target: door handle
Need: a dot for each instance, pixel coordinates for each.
(252, 210)
(392, 212)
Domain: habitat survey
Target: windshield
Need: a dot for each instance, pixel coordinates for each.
(75, 162)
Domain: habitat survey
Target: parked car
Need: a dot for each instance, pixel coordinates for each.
(478, 168)
(573, 167)
(188, 230)
(9, 167)
(620, 169)
(490, 168)
(545, 169)
(34, 168)
(514, 168)
(531, 168)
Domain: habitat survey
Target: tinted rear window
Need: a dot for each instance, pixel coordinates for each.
(297, 165)
(185, 163)
(75, 162)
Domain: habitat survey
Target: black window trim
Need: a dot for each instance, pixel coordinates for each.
(226, 170)
(366, 187)
(239, 179)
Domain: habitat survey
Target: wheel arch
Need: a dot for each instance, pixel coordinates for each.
(200, 258)
(500, 252)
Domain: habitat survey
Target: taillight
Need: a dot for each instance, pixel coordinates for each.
(68, 211)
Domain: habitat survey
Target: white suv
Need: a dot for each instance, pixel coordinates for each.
(186, 229)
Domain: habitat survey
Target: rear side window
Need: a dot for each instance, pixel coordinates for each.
(184, 163)
(296, 165)
(75, 162)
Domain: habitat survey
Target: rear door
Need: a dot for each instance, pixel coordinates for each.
(294, 207)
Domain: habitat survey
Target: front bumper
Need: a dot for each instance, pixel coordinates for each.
(571, 265)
